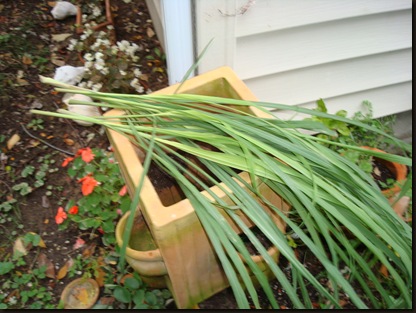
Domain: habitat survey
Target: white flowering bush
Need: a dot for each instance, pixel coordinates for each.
(108, 67)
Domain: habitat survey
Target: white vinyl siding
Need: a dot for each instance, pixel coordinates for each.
(297, 51)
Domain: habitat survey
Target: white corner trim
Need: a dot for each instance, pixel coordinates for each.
(177, 20)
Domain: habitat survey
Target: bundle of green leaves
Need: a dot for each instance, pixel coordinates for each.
(325, 190)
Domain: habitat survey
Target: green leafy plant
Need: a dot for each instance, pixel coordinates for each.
(132, 293)
(103, 197)
(326, 191)
(35, 124)
(23, 287)
(349, 134)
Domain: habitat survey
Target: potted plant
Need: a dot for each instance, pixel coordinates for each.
(322, 188)
(388, 175)
(178, 228)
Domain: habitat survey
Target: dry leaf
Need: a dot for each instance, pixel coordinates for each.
(12, 141)
(69, 142)
(100, 272)
(144, 77)
(383, 270)
(44, 261)
(89, 251)
(150, 33)
(60, 37)
(27, 60)
(57, 60)
(19, 248)
(64, 269)
(51, 3)
(34, 143)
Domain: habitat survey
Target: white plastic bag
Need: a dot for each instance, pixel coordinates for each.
(69, 74)
(62, 9)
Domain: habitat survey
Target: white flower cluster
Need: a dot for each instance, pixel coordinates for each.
(108, 67)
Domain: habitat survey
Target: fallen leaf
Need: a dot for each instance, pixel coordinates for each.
(342, 302)
(100, 273)
(19, 248)
(34, 143)
(150, 33)
(27, 60)
(57, 60)
(46, 221)
(89, 251)
(51, 3)
(61, 37)
(69, 142)
(107, 300)
(50, 268)
(12, 141)
(64, 269)
(144, 77)
(383, 270)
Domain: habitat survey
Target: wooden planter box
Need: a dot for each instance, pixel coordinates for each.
(194, 272)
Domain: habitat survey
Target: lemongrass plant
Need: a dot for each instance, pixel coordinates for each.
(327, 193)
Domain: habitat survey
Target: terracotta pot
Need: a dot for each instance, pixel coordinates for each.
(194, 271)
(142, 253)
(399, 171)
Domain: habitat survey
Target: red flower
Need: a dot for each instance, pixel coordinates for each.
(123, 191)
(73, 210)
(88, 184)
(60, 216)
(86, 154)
(66, 161)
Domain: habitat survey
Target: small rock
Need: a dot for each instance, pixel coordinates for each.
(36, 105)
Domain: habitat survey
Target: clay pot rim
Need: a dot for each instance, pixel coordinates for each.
(81, 280)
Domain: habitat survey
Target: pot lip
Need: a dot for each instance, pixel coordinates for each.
(79, 281)
(150, 255)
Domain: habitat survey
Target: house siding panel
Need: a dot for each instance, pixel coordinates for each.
(295, 52)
